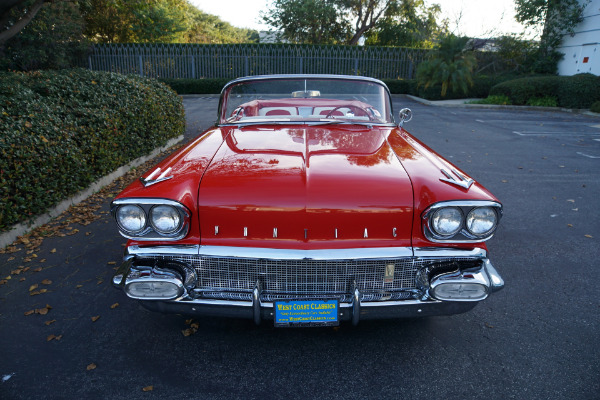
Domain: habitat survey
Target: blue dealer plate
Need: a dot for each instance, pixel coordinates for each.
(307, 313)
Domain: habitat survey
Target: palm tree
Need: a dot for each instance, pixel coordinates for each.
(450, 65)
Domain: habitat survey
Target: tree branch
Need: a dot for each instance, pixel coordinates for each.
(20, 24)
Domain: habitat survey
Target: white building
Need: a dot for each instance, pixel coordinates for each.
(582, 50)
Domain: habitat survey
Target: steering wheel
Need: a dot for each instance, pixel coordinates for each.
(351, 107)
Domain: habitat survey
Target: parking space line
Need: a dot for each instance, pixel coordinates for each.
(587, 155)
(562, 133)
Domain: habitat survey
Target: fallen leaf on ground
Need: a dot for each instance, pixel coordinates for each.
(29, 312)
(38, 269)
(3, 282)
(112, 262)
(589, 236)
(114, 306)
(50, 322)
(41, 311)
(96, 318)
(33, 287)
(53, 337)
(148, 388)
(91, 367)
(53, 251)
(46, 282)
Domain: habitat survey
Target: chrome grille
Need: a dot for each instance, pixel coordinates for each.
(232, 277)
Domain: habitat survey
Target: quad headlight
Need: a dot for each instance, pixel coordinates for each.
(151, 219)
(165, 219)
(447, 221)
(131, 218)
(481, 221)
(461, 221)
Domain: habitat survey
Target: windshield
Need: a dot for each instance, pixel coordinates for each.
(327, 100)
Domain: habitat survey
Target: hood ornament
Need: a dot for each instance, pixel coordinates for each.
(149, 180)
(463, 181)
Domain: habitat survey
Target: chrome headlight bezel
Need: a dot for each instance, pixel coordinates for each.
(462, 235)
(150, 232)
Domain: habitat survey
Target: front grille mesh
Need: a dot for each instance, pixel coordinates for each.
(234, 278)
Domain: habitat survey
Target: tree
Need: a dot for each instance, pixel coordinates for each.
(53, 39)
(367, 13)
(207, 28)
(411, 24)
(309, 21)
(556, 18)
(135, 21)
(451, 66)
(15, 15)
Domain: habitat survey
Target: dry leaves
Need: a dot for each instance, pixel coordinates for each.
(589, 236)
(53, 337)
(91, 367)
(46, 282)
(148, 389)
(194, 326)
(50, 322)
(41, 311)
(96, 318)
(114, 306)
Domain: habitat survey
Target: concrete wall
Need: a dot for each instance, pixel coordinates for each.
(582, 50)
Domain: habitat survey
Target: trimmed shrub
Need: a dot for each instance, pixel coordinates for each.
(400, 86)
(595, 107)
(578, 91)
(196, 86)
(62, 130)
(521, 90)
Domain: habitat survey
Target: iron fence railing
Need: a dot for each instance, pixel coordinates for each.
(231, 61)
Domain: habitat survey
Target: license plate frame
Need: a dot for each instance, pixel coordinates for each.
(306, 313)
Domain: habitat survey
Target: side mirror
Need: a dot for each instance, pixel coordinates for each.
(405, 116)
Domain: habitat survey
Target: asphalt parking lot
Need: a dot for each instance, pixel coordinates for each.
(65, 333)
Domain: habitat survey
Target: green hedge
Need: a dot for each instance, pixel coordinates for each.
(62, 130)
(196, 86)
(578, 91)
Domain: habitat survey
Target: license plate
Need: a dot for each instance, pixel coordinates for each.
(298, 313)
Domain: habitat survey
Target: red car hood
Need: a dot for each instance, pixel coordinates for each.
(309, 186)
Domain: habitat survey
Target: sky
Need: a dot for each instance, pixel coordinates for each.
(474, 18)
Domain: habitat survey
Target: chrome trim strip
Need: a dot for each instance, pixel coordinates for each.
(463, 181)
(292, 254)
(287, 254)
(444, 252)
(188, 250)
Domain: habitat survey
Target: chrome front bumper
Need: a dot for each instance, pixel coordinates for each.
(180, 279)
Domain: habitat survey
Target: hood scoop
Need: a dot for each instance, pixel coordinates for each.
(463, 181)
(160, 177)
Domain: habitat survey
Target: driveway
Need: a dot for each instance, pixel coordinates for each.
(66, 333)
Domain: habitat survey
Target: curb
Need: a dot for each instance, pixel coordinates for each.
(22, 228)
(499, 106)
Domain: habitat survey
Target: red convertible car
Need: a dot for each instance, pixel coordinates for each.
(307, 204)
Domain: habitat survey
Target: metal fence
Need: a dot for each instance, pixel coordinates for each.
(231, 61)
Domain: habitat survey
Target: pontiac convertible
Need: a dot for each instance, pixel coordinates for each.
(307, 204)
